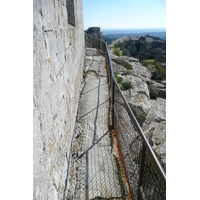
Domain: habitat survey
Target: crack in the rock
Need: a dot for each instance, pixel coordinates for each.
(103, 198)
(49, 30)
(55, 186)
(93, 71)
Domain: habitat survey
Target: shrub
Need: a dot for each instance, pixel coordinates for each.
(128, 67)
(119, 79)
(137, 45)
(127, 72)
(126, 85)
(119, 45)
(155, 74)
(125, 52)
(116, 51)
(162, 72)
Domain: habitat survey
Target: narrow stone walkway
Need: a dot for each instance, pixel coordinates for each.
(94, 172)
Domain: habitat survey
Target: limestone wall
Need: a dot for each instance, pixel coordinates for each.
(58, 51)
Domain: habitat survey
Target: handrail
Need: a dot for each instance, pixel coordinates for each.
(147, 145)
(112, 83)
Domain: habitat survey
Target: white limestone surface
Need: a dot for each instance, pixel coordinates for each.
(58, 52)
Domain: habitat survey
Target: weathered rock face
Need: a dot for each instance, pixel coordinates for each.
(157, 89)
(135, 69)
(142, 47)
(93, 32)
(154, 128)
(57, 73)
(131, 59)
(150, 113)
(137, 97)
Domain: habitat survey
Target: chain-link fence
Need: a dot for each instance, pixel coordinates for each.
(145, 176)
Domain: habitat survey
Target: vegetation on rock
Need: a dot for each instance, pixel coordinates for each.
(119, 45)
(117, 51)
(143, 47)
(119, 79)
(126, 85)
(128, 67)
(125, 52)
(156, 69)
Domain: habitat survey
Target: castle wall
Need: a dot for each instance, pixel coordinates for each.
(58, 51)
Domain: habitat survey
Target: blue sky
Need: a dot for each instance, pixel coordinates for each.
(124, 14)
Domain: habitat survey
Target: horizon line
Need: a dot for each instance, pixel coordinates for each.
(129, 28)
(164, 28)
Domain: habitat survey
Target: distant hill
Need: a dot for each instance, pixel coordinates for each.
(110, 35)
(142, 47)
(149, 50)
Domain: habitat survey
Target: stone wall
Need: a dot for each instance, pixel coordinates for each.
(58, 52)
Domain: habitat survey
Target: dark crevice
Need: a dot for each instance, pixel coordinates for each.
(49, 30)
(102, 198)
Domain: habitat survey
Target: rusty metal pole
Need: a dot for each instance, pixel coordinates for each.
(141, 171)
(113, 95)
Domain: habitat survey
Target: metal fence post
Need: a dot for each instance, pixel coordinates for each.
(100, 44)
(113, 94)
(141, 171)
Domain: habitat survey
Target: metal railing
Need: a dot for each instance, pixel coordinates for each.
(144, 174)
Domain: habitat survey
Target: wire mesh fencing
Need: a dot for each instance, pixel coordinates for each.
(145, 176)
(145, 179)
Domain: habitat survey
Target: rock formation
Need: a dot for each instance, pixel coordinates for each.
(142, 47)
(146, 99)
(94, 32)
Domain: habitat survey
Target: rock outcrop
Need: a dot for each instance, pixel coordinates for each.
(154, 128)
(146, 99)
(157, 89)
(126, 66)
(137, 97)
(93, 32)
(142, 47)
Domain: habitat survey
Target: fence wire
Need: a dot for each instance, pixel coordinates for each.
(144, 175)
